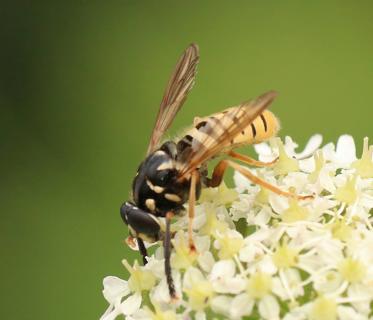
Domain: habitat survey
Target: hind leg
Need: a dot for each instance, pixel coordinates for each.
(218, 173)
(251, 161)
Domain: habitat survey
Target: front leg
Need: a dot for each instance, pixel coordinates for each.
(167, 257)
(142, 250)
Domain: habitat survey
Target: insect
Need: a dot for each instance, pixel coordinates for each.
(174, 172)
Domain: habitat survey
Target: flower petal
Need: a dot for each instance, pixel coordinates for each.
(131, 304)
(114, 289)
(242, 305)
(269, 308)
(264, 152)
(348, 313)
(312, 145)
(221, 304)
(346, 150)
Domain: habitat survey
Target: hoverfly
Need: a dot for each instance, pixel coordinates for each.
(175, 171)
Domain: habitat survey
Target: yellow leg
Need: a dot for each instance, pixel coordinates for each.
(253, 178)
(192, 204)
(250, 160)
(218, 173)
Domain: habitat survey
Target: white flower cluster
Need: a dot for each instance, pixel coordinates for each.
(263, 256)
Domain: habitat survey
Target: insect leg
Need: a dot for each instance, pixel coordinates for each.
(167, 256)
(253, 178)
(192, 204)
(250, 160)
(217, 177)
(142, 250)
(217, 174)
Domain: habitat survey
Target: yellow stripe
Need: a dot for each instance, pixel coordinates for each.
(246, 136)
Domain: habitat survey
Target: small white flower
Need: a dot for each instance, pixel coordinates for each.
(115, 290)
(327, 281)
(198, 289)
(288, 286)
(228, 243)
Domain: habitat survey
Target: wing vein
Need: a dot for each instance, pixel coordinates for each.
(177, 89)
(234, 121)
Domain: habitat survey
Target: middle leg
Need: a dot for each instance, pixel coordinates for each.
(192, 204)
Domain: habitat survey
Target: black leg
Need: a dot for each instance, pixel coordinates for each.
(167, 257)
(142, 249)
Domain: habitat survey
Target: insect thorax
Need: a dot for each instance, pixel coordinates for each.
(156, 188)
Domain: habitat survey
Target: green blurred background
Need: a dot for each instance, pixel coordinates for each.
(80, 87)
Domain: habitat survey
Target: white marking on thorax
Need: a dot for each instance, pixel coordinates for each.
(156, 189)
(150, 203)
(165, 165)
(159, 153)
(172, 197)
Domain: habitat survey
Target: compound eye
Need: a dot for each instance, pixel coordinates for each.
(140, 221)
(124, 210)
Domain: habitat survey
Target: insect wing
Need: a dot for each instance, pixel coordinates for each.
(219, 133)
(178, 87)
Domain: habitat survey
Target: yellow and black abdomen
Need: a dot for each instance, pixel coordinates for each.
(261, 129)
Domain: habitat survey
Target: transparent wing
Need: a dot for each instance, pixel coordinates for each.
(180, 83)
(213, 139)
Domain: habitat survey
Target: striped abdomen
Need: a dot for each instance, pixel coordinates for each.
(262, 128)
